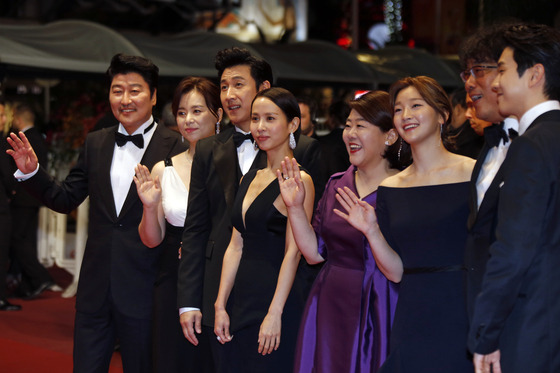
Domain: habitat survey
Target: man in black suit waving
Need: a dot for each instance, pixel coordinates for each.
(114, 298)
(218, 165)
(515, 326)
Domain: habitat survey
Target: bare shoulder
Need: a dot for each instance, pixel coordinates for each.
(396, 180)
(465, 166)
(157, 170)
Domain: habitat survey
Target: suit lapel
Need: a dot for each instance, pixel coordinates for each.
(103, 161)
(227, 165)
(474, 177)
(160, 147)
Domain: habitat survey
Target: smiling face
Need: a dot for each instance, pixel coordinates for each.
(237, 91)
(130, 100)
(269, 125)
(414, 119)
(194, 119)
(510, 87)
(365, 142)
(479, 89)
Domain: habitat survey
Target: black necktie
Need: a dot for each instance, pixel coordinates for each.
(137, 139)
(239, 138)
(494, 134)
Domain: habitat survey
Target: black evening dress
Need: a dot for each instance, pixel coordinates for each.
(427, 227)
(264, 240)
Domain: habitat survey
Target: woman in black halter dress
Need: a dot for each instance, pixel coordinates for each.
(260, 263)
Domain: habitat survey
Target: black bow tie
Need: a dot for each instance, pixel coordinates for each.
(122, 139)
(137, 139)
(239, 138)
(494, 134)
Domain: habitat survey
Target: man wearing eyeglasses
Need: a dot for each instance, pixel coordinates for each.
(479, 55)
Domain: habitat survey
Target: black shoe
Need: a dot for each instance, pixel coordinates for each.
(7, 306)
(41, 288)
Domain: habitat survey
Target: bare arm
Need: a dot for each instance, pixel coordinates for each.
(152, 225)
(361, 216)
(231, 260)
(293, 190)
(270, 330)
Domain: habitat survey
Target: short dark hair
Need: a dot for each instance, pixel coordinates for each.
(485, 45)
(536, 44)
(459, 97)
(235, 56)
(124, 64)
(375, 107)
(286, 101)
(434, 95)
(339, 111)
(23, 111)
(312, 105)
(204, 86)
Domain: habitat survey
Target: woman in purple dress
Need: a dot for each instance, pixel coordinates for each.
(418, 233)
(347, 319)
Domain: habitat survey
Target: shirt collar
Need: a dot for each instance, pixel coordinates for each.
(139, 129)
(534, 112)
(241, 131)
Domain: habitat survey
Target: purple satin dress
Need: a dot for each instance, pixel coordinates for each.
(349, 312)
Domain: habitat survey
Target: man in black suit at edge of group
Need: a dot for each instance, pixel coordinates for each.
(114, 297)
(6, 185)
(217, 168)
(515, 325)
(479, 56)
(24, 210)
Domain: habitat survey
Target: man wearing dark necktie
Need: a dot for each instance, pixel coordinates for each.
(219, 163)
(114, 298)
(479, 55)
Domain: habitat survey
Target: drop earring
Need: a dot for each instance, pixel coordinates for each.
(217, 127)
(399, 152)
(292, 141)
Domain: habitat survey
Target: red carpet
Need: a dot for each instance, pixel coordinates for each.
(39, 337)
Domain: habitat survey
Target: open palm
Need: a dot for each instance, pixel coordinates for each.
(148, 188)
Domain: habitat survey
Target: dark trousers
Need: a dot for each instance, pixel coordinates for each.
(25, 220)
(95, 335)
(5, 227)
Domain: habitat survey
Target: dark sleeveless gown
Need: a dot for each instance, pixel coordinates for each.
(264, 238)
(427, 227)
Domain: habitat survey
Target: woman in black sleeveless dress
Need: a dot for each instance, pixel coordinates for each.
(261, 260)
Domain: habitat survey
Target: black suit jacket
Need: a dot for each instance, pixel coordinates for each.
(481, 231)
(215, 177)
(20, 197)
(518, 308)
(115, 260)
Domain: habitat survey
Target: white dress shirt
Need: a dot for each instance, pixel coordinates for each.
(246, 153)
(125, 158)
(494, 159)
(496, 156)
